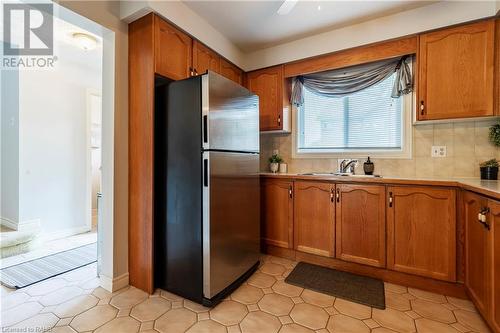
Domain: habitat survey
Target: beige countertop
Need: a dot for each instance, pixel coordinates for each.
(487, 187)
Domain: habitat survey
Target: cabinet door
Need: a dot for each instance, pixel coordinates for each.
(172, 51)
(204, 59)
(477, 279)
(277, 212)
(494, 222)
(456, 72)
(360, 224)
(421, 226)
(231, 71)
(268, 85)
(314, 218)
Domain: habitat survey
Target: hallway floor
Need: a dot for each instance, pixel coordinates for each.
(73, 302)
(51, 247)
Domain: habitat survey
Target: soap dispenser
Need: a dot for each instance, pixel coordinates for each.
(368, 167)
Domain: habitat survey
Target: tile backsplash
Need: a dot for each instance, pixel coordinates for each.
(466, 143)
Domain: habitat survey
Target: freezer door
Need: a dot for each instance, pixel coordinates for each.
(231, 218)
(230, 115)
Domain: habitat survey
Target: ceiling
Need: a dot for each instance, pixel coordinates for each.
(254, 25)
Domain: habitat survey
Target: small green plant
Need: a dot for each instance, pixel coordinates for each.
(493, 163)
(495, 134)
(275, 159)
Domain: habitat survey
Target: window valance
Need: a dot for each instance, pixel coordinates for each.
(345, 81)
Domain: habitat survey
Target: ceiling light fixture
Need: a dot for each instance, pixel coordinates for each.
(85, 41)
(319, 7)
(286, 7)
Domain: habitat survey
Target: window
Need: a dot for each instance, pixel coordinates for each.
(365, 122)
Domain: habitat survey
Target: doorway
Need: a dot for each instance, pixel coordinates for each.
(54, 134)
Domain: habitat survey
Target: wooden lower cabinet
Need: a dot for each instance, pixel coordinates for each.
(360, 224)
(494, 222)
(314, 217)
(477, 253)
(277, 212)
(421, 231)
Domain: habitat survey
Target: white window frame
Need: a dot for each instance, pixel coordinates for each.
(406, 136)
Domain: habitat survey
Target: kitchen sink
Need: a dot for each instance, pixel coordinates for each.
(340, 174)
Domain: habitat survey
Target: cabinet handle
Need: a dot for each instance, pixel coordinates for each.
(422, 108)
(279, 119)
(483, 219)
(338, 195)
(331, 194)
(390, 199)
(290, 191)
(191, 73)
(195, 72)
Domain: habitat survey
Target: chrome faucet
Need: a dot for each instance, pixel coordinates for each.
(345, 164)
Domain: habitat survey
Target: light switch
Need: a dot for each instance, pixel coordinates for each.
(438, 151)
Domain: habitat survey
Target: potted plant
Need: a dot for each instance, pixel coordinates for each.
(274, 162)
(494, 134)
(489, 169)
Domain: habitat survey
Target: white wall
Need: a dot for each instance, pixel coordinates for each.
(9, 145)
(53, 152)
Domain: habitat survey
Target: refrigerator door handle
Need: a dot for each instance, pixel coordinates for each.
(205, 128)
(205, 172)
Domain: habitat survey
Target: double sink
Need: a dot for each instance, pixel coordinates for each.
(338, 174)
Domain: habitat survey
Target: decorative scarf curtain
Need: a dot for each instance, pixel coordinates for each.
(345, 81)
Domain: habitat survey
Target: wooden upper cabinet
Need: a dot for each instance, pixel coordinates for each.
(277, 212)
(360, 224)
(268, 84)
(477, 253)
(173, 51)
(230, 71)
(421, 231)
(204, 59)
(456, 70)
(314, 218)
(494, 222)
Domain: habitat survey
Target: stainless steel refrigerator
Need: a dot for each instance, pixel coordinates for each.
(207, 201)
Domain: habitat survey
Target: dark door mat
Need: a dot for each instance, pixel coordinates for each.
(356, 288)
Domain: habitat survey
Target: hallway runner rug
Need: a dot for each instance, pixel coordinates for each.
(352, 287)
(36, 270)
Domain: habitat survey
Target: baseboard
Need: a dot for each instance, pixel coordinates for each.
(114, 284)
(8, 223)
(29, 225)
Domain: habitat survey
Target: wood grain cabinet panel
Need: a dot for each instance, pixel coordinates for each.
(421, 231)
(456, 69)
(277, 212)
(314, 218)
(173, 51)
(477, 253)
(360, 224)
(204, 59)
(230, 71)
(268, 84)
(494, 222)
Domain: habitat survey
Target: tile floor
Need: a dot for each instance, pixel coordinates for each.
(73, 302)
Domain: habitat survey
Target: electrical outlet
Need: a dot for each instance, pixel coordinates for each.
(438, 151)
